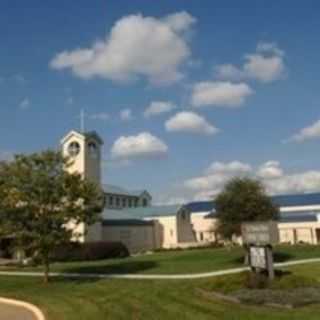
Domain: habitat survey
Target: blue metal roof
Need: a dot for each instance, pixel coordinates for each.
(141, 212)
(292, 200)
(200, 206)
(126, 222)
(298, 217)
(116, 190)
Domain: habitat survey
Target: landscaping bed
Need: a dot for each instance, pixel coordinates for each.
(285, 291)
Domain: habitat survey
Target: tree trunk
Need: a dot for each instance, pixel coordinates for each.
(246, 255)
(46, 269)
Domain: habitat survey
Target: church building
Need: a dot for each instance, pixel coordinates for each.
(129, 216)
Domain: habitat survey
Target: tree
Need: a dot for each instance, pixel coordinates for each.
(39, 198)
(242, 200)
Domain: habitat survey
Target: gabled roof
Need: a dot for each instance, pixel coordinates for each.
(86, 135)
(112, 189)
(141, 213)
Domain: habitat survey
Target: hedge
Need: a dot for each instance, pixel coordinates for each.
(89, 251)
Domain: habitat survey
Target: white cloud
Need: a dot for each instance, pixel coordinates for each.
(233, 167)
(158, 107)
(215, 177)
(141, 146)
(136, 46)
(102, 116)
(265, 65)
(270, 169)
(307, 133)
(24, 104)
(126, 115)
(302, 182)
(276, 181)
(190, 122)
(220, 93)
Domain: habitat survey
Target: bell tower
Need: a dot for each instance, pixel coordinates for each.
(84, 150)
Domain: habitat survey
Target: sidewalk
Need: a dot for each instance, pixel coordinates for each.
(150, 276)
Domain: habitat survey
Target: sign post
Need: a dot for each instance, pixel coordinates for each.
(260, 237)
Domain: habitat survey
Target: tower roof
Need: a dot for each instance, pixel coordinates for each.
(86, 135)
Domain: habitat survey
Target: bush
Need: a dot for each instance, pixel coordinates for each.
(89, 251)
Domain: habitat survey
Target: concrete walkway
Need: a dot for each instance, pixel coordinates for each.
(8, 312)
(19, 310)
(150, 276)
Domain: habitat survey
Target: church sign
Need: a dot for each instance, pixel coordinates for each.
(259, 237)
(260, 233)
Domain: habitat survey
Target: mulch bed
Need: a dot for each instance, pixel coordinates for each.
(287, 299)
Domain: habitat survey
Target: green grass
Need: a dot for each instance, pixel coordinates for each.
(186, 261)
(135, 299)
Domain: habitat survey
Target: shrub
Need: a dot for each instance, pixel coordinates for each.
(89, 251)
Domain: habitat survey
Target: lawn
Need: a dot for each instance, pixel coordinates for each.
(136, 299)
(186, 261)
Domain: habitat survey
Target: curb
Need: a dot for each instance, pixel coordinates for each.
(30, 307)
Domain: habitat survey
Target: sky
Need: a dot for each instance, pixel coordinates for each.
(185, 94)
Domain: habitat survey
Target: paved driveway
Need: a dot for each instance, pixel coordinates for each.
(10, 312)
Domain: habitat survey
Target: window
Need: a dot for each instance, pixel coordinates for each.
(144, 202)
(136, 202)
(124, 202)
(111, 200)
(201, 236)
(118, 202)
(130, 203)
(93, 149)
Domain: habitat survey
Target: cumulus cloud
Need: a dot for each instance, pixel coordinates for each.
(190, 122)
(126, 115)
(158, 107)
(307, 133)
(214, 178)
(136, 46)
(265, 65)
(270, 169)
(233, 167)
(276, 181)
(141, 146)
(220, 94)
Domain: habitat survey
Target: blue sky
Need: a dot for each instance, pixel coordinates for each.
(237, 84)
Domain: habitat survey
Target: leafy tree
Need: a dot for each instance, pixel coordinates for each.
(242, 200)
(39, 198)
